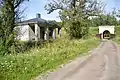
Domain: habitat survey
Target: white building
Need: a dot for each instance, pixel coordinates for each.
(37, 29)
(106, 31)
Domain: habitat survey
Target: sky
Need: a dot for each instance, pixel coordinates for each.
(37, 6)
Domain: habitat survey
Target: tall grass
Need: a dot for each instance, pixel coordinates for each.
(39, 60)
(117, 32)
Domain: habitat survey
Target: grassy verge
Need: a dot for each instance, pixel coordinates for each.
(39, 60)
(117, 32)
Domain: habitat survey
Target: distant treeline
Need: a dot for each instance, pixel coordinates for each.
(103, 20)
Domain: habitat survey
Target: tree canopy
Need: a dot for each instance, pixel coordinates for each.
(103, 19)
(74, 14)
(9, 15)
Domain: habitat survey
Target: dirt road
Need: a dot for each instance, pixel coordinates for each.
(103, 64)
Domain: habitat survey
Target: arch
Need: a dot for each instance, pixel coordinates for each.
(106, 34)
(111, 29)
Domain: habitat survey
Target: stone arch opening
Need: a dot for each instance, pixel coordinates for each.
(106, 34)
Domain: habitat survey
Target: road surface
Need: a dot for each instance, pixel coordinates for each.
(103, 64)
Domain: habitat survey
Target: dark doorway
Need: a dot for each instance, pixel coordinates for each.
(42, 33)
(31, 34)
(106, 34)
(50, 32)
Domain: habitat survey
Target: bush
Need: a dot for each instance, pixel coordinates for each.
(22, 46)
(117, 34)
(78, 29)
(3, 50)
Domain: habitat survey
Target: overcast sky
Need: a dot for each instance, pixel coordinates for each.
(37, 6)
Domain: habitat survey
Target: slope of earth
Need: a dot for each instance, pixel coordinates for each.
(117, 32)
(39, 60)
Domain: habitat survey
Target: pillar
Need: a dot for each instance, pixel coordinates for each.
(37, 32)
(46, 35)
(102, 36)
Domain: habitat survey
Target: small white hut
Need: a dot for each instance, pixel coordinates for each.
(37, 29)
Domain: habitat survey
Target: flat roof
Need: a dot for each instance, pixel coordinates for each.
(39, 21)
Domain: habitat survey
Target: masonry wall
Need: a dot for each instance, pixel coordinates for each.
(23, 33)
(103, 28)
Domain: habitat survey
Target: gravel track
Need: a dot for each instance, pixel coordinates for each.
(102, 64)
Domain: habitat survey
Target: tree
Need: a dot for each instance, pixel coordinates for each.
(104, 19)
(9, 15)
(75, 13)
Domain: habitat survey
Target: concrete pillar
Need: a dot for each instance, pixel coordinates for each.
(46, 35)
(102, 36)
(54, 33)
(37, 32)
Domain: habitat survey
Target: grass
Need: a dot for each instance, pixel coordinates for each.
(40, 60)
(117, 32)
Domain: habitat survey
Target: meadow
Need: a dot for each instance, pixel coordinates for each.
(39, 60)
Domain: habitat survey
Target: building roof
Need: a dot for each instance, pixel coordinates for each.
(53, 24)
(34, 20)
(39, 21)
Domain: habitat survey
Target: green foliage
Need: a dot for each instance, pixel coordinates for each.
(74, 14)
(3, 50)
(103, 20)
(92, 32)
(74, 22)
(117, 33)
(22, 46)
(78, 29)
(40, 60)
(9, 15)
(33, 63)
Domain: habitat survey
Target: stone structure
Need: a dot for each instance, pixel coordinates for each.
(106, 32)
(37, 29)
